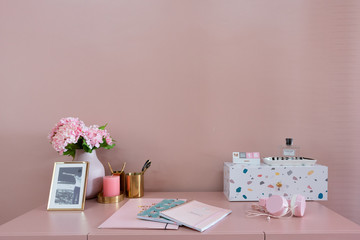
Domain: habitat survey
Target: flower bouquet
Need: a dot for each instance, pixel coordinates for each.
(70, 134)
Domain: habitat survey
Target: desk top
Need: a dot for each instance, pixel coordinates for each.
(319, 222)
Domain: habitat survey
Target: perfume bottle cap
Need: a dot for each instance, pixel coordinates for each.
(289, 141)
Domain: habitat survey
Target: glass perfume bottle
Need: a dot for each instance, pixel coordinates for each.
(289, 150)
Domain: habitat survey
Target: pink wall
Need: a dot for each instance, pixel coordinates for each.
(184, 83)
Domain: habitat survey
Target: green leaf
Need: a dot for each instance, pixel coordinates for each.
(103, 144)
(109, 146)
(70, 152)
(86, 147)
(103, 127)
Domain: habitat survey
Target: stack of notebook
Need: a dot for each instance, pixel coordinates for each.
(149, 213)
(153, 213)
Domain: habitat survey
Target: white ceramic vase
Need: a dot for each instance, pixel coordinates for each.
(95, 174)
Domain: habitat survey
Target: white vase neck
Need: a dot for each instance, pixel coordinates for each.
(81, 155)
(81, 151)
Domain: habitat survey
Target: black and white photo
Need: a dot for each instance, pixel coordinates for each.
(68, 186)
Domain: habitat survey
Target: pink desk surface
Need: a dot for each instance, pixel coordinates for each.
(319, 222)
(231, 227)
(40, 224)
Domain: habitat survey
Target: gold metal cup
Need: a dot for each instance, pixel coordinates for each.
(134, 185)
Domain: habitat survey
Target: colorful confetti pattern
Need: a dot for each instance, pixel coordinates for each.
(250, 182)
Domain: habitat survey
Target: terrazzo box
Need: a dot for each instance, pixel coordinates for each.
(244, 182)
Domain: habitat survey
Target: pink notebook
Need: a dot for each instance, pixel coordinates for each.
(126, 216)
(196, 215)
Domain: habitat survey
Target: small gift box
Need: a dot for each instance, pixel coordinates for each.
(244, 182)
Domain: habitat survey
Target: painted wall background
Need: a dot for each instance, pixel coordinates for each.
(184, 83)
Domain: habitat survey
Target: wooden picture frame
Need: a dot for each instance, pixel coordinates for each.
(68, 186)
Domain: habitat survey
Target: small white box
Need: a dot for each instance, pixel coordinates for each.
(246, 157)
(245, 182)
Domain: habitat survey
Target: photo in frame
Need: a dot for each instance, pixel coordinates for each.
(68, 186)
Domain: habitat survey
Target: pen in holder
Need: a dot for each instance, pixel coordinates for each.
(135, 185)
(121, 174)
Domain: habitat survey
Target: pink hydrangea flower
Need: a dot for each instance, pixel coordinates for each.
(73, 131)
(92, 137)
(95, 136)
(74, 123)
(109, 140)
